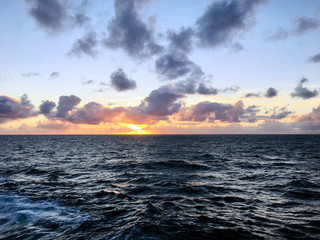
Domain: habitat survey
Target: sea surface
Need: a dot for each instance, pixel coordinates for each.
(160, 187)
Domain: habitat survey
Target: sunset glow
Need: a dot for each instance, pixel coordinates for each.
(136, 129)
(129, 67)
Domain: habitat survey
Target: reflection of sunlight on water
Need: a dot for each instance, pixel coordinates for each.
(111, 191)
(137, 129)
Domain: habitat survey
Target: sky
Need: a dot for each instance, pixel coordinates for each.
(160, 67)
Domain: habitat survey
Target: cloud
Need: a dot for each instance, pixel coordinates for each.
(49, 14)
(252, 95)
(94, 113)
(271, 92)
(236, 47)
(66, 104)
(54, 75)
(46, 107)
(305, 24)
(307, 127)
(251, 113)
(230, 89)
(206, 90)
(222, 20)
(81, 19)
(88, 82)
(160, 102)
(303, 92)
(121, 82)
(280, 34)
(300, 26)
(30, 74)
(212, 111)
(157, 106)
(314, 116)
(280, 113)
(315, 58)
(197, 83)
(174, 65)
(12, 109)
(127, 31)
(182, 40)
(85, 45)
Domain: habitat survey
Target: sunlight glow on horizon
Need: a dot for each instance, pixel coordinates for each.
(136, 129)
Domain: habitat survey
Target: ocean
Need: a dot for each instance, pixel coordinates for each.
(160, 187)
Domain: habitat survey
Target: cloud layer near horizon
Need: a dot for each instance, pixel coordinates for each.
(161, 105)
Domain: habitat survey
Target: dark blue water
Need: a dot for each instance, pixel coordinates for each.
(160, 187)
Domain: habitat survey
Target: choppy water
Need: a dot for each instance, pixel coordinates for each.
(160, 187)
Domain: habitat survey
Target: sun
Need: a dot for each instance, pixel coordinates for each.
(136, 129)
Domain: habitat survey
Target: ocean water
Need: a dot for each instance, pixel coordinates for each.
(160, 187)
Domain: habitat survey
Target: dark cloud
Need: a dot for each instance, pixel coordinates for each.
(251, 113)
(12, 109)
(212, 111)
(160, 102)
(79, 16)
(46, 107)
(80, 19)
(54, 75)
(127, 31)
(207, 90)
(222, 20)
(58, 15)
(280, 113)
(174, 65)
(158, 106)
(252, 109)
(305, 24)
(182, 40)
(24, 100)
(271, 92)
(303, 92)
(315, 58)
(85, 45)
(30, 74)
(188, 86)
(300, 26)
(252, 95)
(50, 14)
(197, 85)
(121, 82)
(88, 82)
(230, 89)
(66, 104)
(94, 113)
